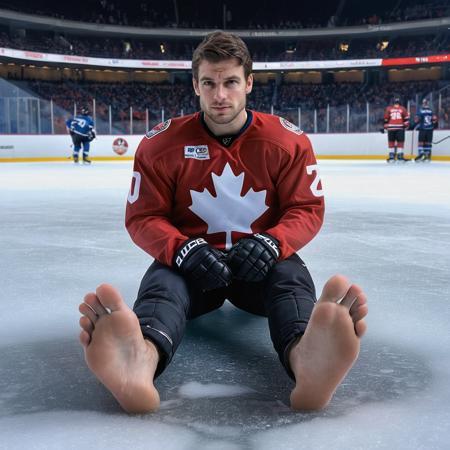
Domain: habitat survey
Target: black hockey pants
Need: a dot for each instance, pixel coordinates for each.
(166, 301)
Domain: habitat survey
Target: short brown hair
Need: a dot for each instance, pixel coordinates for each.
(219, 46)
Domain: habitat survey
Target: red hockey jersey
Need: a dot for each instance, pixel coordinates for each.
(396, 118)
(186, 184)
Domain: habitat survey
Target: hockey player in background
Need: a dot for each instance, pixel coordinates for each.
(223, 199)
(81, 130)
(396, 120)
(425, 122)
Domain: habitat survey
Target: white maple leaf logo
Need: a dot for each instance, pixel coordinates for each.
(229, 210)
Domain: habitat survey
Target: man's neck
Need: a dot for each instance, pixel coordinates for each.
(226, 129)
(227, 139)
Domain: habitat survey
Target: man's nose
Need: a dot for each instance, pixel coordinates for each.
(220, 93)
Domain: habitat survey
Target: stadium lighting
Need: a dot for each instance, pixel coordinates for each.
(344, 46)
(383, 45)
(291, 48)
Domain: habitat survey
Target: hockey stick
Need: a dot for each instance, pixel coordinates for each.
(70, 157)
(412, 143)
(442, 140)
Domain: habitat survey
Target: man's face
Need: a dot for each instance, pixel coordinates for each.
(222, 89)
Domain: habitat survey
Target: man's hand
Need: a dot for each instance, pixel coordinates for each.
(382, 130)
(252, 258)
(203, 265)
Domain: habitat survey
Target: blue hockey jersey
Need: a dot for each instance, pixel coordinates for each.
(425, 119)
(80, 124)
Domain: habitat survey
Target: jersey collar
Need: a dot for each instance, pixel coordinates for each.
(227, 139)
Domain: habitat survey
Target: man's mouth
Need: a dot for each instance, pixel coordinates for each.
(221, 107)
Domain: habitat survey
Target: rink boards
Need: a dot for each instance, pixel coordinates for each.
(28, 148)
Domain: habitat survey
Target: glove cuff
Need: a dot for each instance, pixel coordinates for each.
(187, 249)
(269, 242)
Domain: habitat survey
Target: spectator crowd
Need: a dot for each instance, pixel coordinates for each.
(146, 100)
(234, 14)
(300, 50)
(285, 99)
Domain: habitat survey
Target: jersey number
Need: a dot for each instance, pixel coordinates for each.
(133, 195)
(80, 122)
(396, 115)
(315, 184)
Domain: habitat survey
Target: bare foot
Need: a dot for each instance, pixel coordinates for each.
(322, 358)
(116, 351)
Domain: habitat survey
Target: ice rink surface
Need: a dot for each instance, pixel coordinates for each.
(387, 228)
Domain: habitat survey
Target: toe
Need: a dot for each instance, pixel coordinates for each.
(86, 324)
(85, 338)
(360, 328)
(88, 312)
(351, 297)
(93, 302)
(359, 313)
(335, 289)
(109, 297)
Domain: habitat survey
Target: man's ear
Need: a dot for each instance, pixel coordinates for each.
(195, 84)
(249, 86)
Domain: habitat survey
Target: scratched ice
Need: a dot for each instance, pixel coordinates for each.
(62, 233)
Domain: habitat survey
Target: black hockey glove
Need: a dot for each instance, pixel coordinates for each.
(252, 258)
(382, 130)
(203, 265)
(91, 135)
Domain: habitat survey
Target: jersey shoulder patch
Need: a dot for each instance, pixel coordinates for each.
(158, 129)
(290, 126)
